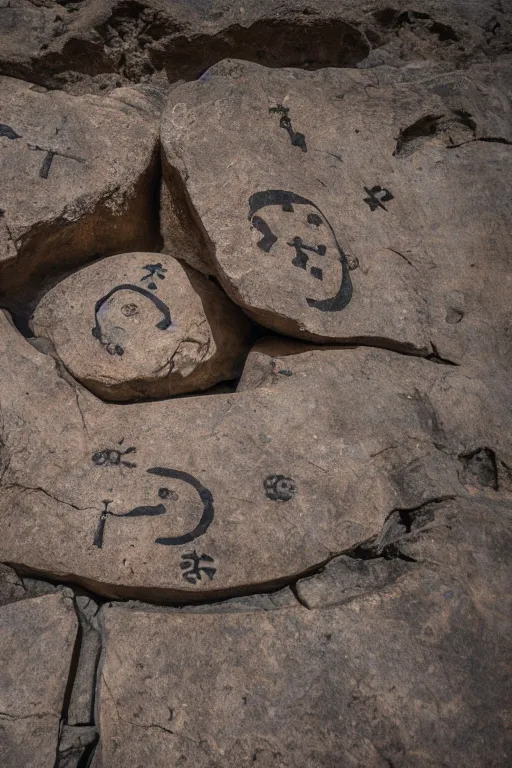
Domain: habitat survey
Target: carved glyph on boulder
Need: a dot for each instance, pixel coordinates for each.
(361, 221)
(199, 496)
(143, 324)
(77, 181)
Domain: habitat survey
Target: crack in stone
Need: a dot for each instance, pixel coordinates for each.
(36, 489)
(398, 253)
(77, 396)
(12, 718)
(490, 139)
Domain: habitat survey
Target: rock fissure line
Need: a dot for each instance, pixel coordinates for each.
(36, 489)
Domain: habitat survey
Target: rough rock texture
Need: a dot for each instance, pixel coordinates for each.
(142, 324)
(78, 181)
(355, 205)
(184, 498)
(324, 552)
(11, 586)
(74, 741)
(97, 44)
(80, 710)
(36, 644)
(411, 672)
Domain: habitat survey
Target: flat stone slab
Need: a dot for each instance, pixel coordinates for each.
(77, 181)
(412, 673)
(143, 324)
(36, 644)
(181, 499)
(341, 205)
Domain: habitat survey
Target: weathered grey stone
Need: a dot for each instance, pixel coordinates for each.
(346, 578)
(143, 324)
(81, 702)
(78, 179)
(74, 741)
(11, 586)
(412, 674)
(282, 598)
(97, 44)
(341, 205)
(36, 644)
(269, 483)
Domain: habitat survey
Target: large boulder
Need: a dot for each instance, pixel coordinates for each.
(188, 498)
(78, 179)
(143, 324)
(354, 206)
(411, 672)
(37, 638)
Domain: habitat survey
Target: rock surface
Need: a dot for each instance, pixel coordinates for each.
(412, 673)
(36, 644)
(187, 498)
(11, 586)
(355, 206)
(78, 180)
(325, 550)
(142, 324)
(89, 45)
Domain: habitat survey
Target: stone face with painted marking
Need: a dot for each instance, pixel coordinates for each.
(201, 496)
(143, 324)
(37, 637)
(77, 181)
(342, 212)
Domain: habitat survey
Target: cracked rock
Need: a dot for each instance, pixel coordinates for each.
(325, 229)
(73, 744)
(77, 183)
(143, 325)
(37, 637)
(198, 497)
(346, 578)
(11, 586)
(80, 710)
(403, 674)
(90, 45)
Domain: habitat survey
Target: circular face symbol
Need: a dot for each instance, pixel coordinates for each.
(299, 237)
(279, 487)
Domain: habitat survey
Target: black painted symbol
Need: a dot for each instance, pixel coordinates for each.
(100, 529)
(204, 494)
(279, 487)
(297, 139)
(167, 493)
(112, 347)
(48, 158)
(159, 509)
(145, 511)
(282, 371)
(377, 196)
(129, 310)
(8, 132)
(154, 270)
(192, 567)
(47, 164)
(301, 257)
(317, 222)
(112, 457)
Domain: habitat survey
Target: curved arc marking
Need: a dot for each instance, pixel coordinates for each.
(204, 494)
